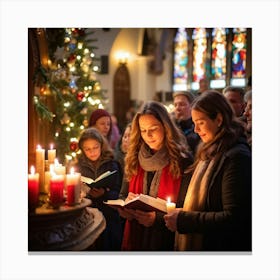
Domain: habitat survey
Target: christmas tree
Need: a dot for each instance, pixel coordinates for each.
(71, 79)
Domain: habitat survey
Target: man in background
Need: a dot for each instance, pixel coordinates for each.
(182, 114)
(235, 96)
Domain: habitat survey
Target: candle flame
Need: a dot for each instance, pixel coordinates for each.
(52, 171)
(51, 146)
(32, 170)
(51, 168)
(168, 200)
(56, 163)
(39, 147)
(72, 171)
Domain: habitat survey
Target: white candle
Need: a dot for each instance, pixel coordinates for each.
(48, 178)
(40, 167)
(73, 187)
(60, 169)
(170, 205)
(51, 154)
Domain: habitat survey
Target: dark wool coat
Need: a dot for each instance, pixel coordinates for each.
(187, 128)
(111, 238)
(226, 223)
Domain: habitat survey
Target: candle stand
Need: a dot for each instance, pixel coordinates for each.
(68, 228)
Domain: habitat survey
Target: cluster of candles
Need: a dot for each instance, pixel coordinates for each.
(53, 181)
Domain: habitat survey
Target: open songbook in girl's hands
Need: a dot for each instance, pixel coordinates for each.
(105, 180)
(142, 202)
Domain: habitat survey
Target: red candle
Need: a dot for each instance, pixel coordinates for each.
(73, 187)
(56, 189)
(33, 188)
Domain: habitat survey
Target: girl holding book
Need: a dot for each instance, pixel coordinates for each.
(154, 164)
(96, 158)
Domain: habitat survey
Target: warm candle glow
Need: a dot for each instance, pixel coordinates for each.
(51, 168)
(32, 170)
(73, 187)
(170, 205)
(40, 166)
(51, 154)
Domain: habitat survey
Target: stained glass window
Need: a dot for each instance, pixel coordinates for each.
(218, 53)
(199, 56)
(180, 74)
(239, 49)
(196, 59)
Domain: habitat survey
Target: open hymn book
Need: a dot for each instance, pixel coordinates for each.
(142, 202)
(104, 180)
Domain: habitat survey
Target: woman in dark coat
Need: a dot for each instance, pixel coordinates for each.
(216, 215)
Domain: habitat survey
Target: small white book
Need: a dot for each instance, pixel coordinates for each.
(142, 202)
(90, 181)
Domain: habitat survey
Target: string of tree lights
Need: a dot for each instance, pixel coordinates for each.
(71, 79)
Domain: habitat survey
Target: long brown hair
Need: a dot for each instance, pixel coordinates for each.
(93, 133)
(174, 140)
(211, 103)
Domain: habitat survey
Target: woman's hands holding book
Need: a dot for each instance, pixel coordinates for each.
(146, 219)
(128, 214)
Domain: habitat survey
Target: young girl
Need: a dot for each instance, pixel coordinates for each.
(96, 158)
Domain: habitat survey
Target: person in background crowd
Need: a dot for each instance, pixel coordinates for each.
(248, 115)
(216, 215)
(235, 96)
(101, 120)
(154, 164)
(249, 83)
(122, 146)
(97, 157)
(203, 85)
(182, 115)
(120, 152)
(116, 135)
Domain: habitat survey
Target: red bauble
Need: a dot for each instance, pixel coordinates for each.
(80, 96)
(74, 146)
(72, 57)
(81, 32)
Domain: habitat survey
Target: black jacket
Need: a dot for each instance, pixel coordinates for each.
(226, 223)
(192, 138)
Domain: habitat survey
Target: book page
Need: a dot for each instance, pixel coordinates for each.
(89, 181)
(115, 202)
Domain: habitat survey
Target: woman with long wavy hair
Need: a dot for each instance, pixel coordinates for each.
(154, 165)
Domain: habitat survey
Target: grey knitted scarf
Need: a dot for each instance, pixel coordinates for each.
(152, 162)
